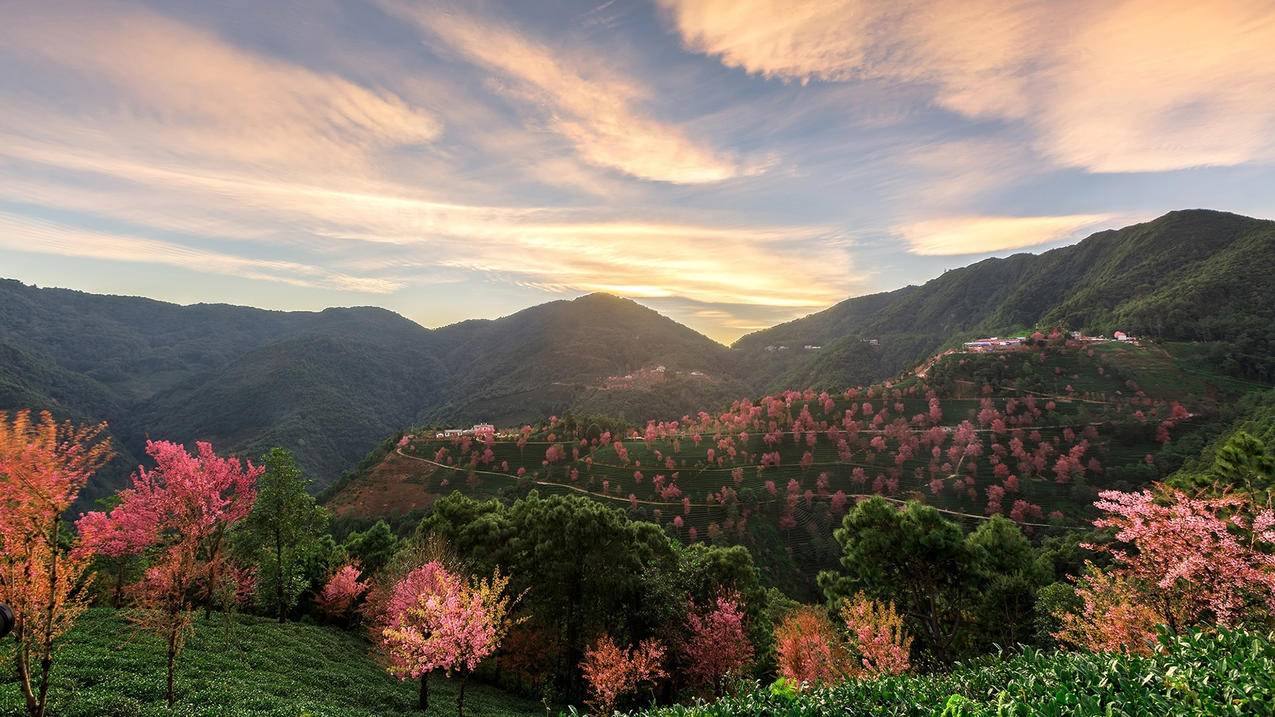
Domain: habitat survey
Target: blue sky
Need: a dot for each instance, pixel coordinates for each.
(731, 164)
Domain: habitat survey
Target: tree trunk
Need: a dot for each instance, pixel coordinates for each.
(21, 662)
(460, 698)
(119, 583)
(422, 701)
(278, 574)
(172, 664)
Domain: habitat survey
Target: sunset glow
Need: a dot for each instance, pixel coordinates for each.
(731, 164)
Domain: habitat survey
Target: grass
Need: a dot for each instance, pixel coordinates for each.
(242, 666)
(1224, 673)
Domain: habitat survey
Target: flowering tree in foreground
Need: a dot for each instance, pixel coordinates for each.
(434, 621)
(877, 636)
(717, 646)
(613, 672)
(340, 593)
(407, 633)
(1181, 562)
(43, 466)
(184, 508)
(808, 649)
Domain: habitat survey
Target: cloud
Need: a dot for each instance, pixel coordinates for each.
(29, 234)
(595, 109)
(988, 234)
(1125, 86)
(154, 86)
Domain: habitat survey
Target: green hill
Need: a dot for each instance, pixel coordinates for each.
(1193, 275)
(775, 474)
(238, 666)
(329, 385)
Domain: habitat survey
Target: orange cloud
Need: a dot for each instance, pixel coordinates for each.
(22, 233)
(159, 87)
(595, 109)
(987, 234)
(1124, 86)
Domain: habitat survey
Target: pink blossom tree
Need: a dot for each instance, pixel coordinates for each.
(1191, 561)
(716, 645)
(876, 636)
(341, 591)
(613, 672)
(185, 506)
(43, 466)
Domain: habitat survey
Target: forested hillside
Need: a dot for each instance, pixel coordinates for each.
(1193, 275)
(330, 384)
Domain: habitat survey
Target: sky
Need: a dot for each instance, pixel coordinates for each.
(731, 164)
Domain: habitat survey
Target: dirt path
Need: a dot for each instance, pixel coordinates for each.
(679, 504)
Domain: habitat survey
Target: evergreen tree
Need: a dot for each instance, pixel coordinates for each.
(283, 530)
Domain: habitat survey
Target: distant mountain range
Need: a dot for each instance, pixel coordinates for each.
(331, 384)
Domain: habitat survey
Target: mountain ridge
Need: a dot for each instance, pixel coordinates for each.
(331, 384)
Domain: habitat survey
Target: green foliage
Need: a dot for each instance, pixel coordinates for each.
(959, 594)
(1189, 275)
(283, 533)
(914, 557)
(1242, 459)
(372, 548)
(1223, 673)
(587, 570)
(251, 667)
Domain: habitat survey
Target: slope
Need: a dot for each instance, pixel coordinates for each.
(1193, 275)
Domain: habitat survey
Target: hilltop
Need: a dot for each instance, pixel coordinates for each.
(328, 385)
(1195, 275)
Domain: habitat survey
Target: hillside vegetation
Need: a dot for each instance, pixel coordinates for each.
(341, 379)
(1190, 275)
(337, 380)
(237, 666)
(1031, 434)
(1226, 673)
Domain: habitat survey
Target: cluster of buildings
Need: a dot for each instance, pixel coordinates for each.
(479, 429)
(1120, 336)
(994, 343)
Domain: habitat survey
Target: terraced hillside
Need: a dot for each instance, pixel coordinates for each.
(1032, 434)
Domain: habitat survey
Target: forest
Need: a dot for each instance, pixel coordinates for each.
(1000, 534)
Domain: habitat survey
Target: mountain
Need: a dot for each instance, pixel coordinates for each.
(331, 384)
(1193, 275)
(561, 354)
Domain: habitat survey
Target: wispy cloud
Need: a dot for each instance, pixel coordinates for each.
(24, 233)
(988, 234)
(1126, 86)
(595, 108)
(148, 85)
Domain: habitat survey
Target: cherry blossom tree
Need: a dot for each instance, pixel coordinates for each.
(808, 649)
(877, 636)
(340, 592)
(613, 672)
(185, 505)
(43, 466)
(716, 645)
(1191, 561)
(416, 603)
(433, 620)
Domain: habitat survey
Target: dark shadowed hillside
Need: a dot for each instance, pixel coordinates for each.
(1193, 275)
(548, 357)
(331, 384)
